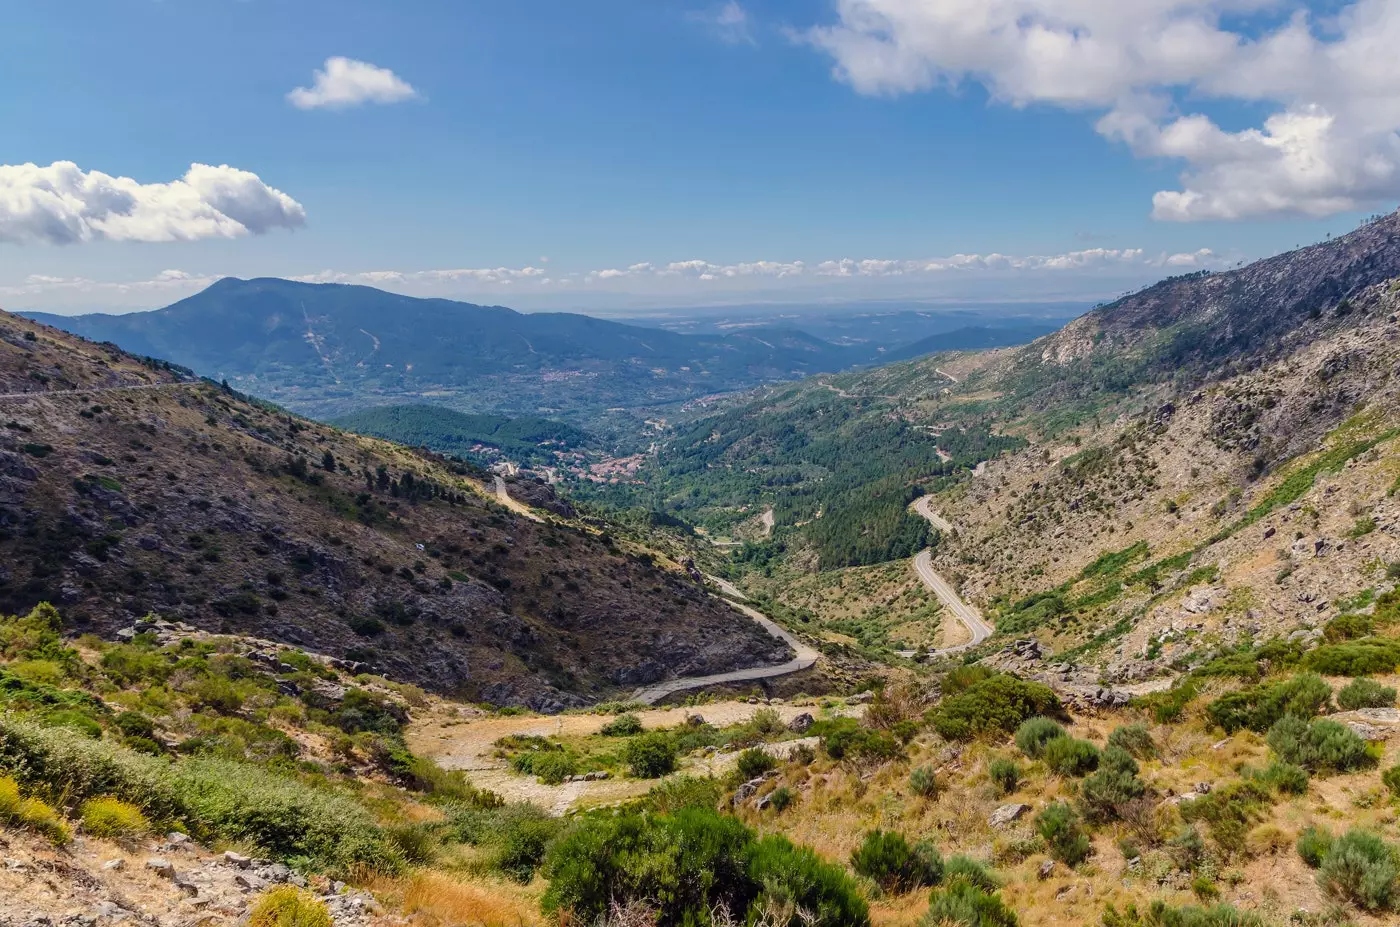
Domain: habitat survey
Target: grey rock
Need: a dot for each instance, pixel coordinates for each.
(1046, 868)
(802, 723)
(236, 859)
(115, 865)
(161, 867)
(1006, 814)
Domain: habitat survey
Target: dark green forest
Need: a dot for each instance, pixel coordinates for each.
(838, 473)
(450, 432)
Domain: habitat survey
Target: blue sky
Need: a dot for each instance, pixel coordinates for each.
(594, 146)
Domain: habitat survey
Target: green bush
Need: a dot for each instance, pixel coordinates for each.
(1322, 746)
(1159, 914)
(961, 678)
(289, 906)
(1104, 795)
(688, 863)
(671, 795)
(1068, 756)
(552, 766)
(963, 868)
(1005, 773)
(113, 818)
(1035, 733)
(1365, 693)
(651, 756)
(515, 836)
(1313, 844)
(1260, 707)
(781, 798)
(1282, 777)
(1060, 827)
(1229, 811)
(888, 860)
(845, 738)
(995, 706)
(625, 725)
(1360, 868)
(1348, 627)
(1135, 739)
(217, 799)
(1364, 657)
(962, 904)
(923, 782)
(753, 763)
(1391, 780)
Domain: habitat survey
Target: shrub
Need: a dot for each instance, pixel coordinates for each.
(962, 868)
(1282, 777)
(1159, 914)
(1260, 707)
(996, 705)
(515, 836)
(1103, 795)
(1313, 844)
(1034, 734)
(113, 818)
(844, 738)
(680, 792)
(923, 783)
(289, 906)
(887, 859)
(689, 863)
(1364, 657)
(217, 799)
(961, 678)
(1322, 746)
(1362, 869)
(1347, 627)
(1365, 693)
(1135, 739)
(30, 813)
(1229, 811)
(781, 799)
(1068, 756)
(1391, 780)
(651, 756)
(1005, 773)
(552, 766)
(622, 726)
(1060, 827)
(965, 905)
(754, 762)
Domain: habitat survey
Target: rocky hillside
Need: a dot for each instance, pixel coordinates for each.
(126, 489)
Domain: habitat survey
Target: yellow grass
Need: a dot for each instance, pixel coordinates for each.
(436, 898)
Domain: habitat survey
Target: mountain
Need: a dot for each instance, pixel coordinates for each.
(969, 338)
(525, 438)
(330, 349)
(127, 488)
(1219, 444)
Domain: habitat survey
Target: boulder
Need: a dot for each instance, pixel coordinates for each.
(1007, 814)
(802, 723)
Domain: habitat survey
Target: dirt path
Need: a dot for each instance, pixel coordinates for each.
(457, 738)
(97, 389)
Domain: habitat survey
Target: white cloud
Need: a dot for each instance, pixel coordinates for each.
(1090, 272)
(730, 22)
(345, 82)
(63, 204)
(1330, 144)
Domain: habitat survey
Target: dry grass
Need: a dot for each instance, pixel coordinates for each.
(436, 899)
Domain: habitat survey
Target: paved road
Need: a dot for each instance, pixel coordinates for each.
(940, 587)
(805, 657)
(40, 394)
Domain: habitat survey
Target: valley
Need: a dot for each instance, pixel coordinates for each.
(1095, 630)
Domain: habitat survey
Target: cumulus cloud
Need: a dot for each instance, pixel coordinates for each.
(345, 82)
(63, 204)
(1329, 144)
(168, 284)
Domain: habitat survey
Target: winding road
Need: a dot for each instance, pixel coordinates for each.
(940, 587)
